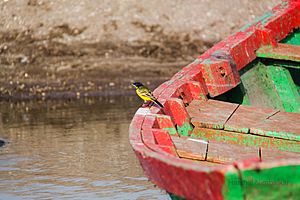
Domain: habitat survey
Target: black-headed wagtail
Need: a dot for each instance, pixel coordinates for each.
(145, 94)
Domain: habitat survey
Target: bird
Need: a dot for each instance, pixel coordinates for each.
(144, 93)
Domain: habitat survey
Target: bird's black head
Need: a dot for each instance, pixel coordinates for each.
(137, 84)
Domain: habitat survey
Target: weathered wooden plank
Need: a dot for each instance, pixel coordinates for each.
(229, 153)
(220, 75)
(213, 114)
(275, 154)
(285, 88)
(271, 86)
(189, 155)
(175, 109)
(162, 137)
(148, 137)
(245, 139)
(287, 117)
(190, 148)
(193, 108)
(285, 125)
(277, 129)
(135, 127)
(192, 90)
(276, 180)
(281, 51)
(164, 122)
(161, 144)
(149, 122)
(247, 116)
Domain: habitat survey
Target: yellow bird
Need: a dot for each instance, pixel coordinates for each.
(145, 94)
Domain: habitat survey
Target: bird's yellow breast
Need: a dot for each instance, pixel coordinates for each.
(141, 93)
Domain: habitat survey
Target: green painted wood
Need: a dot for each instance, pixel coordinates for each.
(245, 139)
(296, 78)
(285, 88)
(273, 183)
(293, 38)
(185, 129)
(232, 188)
(271, 86)
(171, 131)
(259, 86)
(175, 197)
(275, 134)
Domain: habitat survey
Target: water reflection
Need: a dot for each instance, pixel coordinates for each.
(71, 150)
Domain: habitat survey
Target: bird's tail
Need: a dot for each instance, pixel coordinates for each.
(158, 103)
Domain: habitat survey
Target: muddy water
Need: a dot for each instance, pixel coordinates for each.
(75, 149)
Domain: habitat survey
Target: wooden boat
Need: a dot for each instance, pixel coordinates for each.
(230, 126)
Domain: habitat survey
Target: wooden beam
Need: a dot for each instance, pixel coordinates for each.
(281, 52)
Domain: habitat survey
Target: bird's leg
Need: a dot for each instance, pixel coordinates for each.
(151, 103)
(145, 104)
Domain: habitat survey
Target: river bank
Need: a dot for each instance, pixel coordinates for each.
(73, 48)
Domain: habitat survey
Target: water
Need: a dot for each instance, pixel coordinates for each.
(71, 150)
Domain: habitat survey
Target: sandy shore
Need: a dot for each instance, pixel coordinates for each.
(54, 49)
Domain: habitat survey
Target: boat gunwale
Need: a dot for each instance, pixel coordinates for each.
(194, 79)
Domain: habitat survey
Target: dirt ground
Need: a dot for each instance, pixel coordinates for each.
(74, 48)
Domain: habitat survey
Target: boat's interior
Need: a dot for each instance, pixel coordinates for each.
(258, 119)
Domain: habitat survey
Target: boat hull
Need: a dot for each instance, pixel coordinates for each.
(240, 71)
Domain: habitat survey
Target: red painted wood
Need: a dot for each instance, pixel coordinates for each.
(175, 109)
(150, 122)
(136, 125)
(242, 47)
(156, 110)
(285, 18)
(219, 75)
(191, 90)
(168, 149)
(183, 181)
(170, 91)
(162, 138)
(186, 178)
(162, 147)
(164, 122)
(192, 73)
(187, 90)
(265, 36)
(148, 137)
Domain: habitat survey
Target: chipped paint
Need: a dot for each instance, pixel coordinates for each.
(245, 139)
(262, 19)
(232, 188)
(171, 131)
(273, 183)
(267, 88)
(185, 129)
(283, 135)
